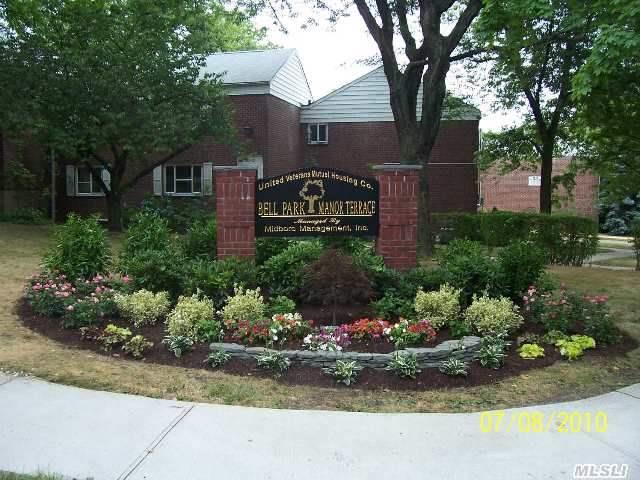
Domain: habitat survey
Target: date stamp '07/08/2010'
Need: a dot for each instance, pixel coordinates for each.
(540, 422)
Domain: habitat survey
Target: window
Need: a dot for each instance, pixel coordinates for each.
(86, 184)
(317, 133)
(183, 179)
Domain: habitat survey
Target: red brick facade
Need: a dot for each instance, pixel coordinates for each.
(398, 233)
(235, 212)
(270, 128)
(355, 147)
(512, 191)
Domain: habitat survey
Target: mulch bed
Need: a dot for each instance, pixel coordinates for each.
(369, 379)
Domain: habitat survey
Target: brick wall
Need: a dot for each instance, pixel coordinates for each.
(235, 212)
(398, 233)
(355, 147)
(284, 149)
(512, 191)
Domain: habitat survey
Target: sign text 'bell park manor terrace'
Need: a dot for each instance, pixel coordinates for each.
(316, 201)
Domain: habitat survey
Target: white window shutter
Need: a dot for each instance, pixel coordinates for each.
(207, 179)
(70, 174)
(106, 179)
(157, 181)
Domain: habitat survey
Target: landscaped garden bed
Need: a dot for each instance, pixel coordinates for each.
(474, 319)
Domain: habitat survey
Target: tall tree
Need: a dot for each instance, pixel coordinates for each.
(607, 94)
(117, 83)
(535, 48)
(417, 40)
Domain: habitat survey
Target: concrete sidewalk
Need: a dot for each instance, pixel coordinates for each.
(82, 433)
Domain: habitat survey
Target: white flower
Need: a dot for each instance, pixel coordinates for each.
(338, 347)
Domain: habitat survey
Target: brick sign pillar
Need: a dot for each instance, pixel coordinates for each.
(235, 211)
(398, 232)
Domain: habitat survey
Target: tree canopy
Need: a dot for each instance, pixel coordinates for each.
(117, 83)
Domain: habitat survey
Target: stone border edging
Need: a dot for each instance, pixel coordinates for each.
(427, 357)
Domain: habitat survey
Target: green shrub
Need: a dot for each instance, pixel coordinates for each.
(519, 266)
(178, 344)
(270, 247)
(597, 320)
(344, 371)
(143, 307)
(392, 306)
(529, 337)
(150, 256)
(564, 239)
(216, 279)
(440, 307)
(244, 305)
(552, 337)
(283, 273)
(189, 311)
(217, 359)
(530, 351)
(200, 240)
(274, 361)
(279, 305)
(26, 216)
(80, 249)
(467, 267)
(179, 213)
(404, 365)
(136, 346)
(493, 316)
(454, 367)
(114, 335)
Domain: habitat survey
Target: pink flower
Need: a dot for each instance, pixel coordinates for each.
(126, 279)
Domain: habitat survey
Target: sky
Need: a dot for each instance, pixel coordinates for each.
(333, 56)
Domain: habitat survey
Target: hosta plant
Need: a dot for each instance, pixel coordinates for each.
(492, 351)
(178, 344)
(274, 361)
(143, 307)
(113, 335)
(404, 365)
(528, 337)
(454, 367)
(344, 371)
(136, 346)
(531, 351)
(217, 359)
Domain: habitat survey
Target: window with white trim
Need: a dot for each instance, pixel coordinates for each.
(183, 179)
(86, 184)
(317, 133)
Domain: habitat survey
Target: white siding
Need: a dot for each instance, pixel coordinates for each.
(290, 83)
(366, 99)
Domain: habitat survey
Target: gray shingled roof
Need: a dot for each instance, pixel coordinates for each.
(255, 66)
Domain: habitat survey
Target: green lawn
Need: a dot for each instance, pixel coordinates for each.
(25, 351)
(22, 476)
(629, 262)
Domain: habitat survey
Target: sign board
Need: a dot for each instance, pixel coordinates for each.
(535, 180)
(316, 201)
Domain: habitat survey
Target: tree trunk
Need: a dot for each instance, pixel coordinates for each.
(546, 171)
(114, 211)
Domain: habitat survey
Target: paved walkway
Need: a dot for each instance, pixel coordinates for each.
(83, 433)
(614, 253)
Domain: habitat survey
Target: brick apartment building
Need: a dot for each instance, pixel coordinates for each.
(519, 191)
(282, 129)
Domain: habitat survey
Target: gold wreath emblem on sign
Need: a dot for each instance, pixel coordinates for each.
(312, 191)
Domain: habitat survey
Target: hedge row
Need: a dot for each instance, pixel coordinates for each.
(566, 239)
